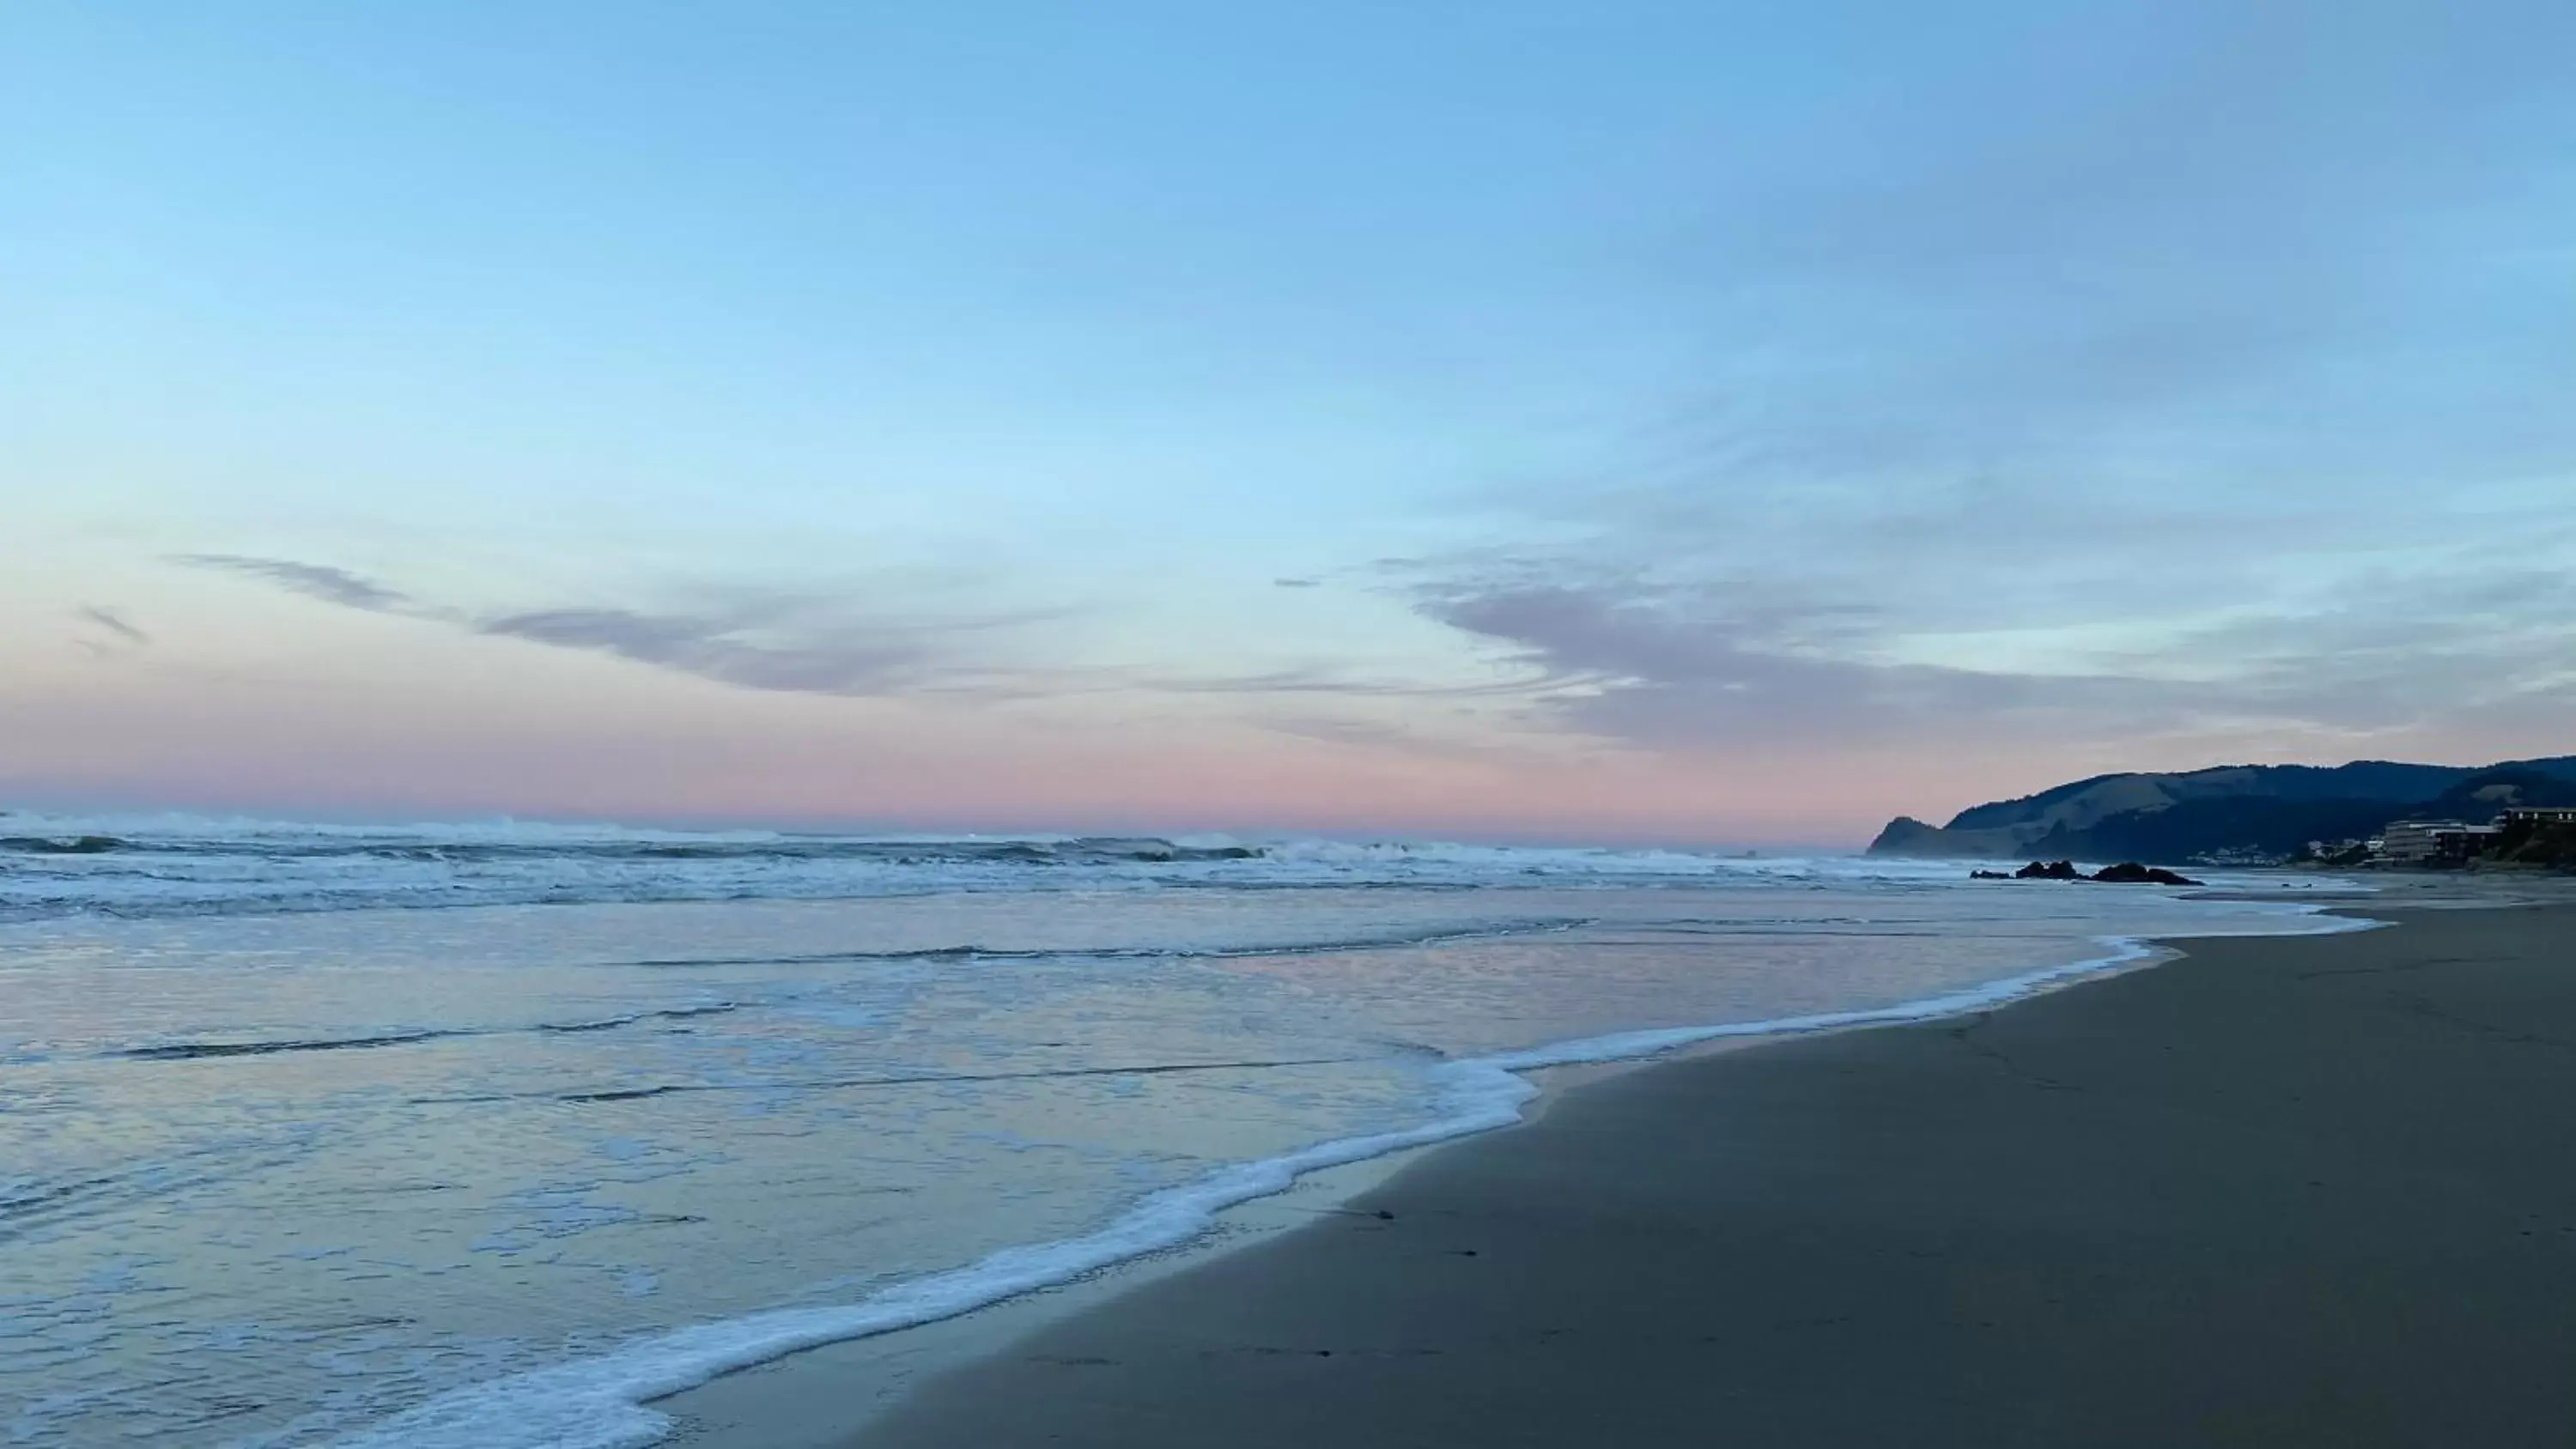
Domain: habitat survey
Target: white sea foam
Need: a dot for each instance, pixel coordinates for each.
(603, 1402)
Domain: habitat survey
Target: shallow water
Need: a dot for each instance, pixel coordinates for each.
(277, 1174)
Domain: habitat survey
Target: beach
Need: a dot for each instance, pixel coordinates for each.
(2280, 1191)
(512, 1136)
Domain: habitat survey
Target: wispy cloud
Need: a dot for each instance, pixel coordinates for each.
(120, 629)
(319, 581)
(849, 644)
(841, 660)
(1689, 669)
(1315, 680)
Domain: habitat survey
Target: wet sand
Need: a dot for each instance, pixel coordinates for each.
(2280, 1192)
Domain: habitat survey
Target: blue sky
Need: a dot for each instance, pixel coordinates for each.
(1634, 421)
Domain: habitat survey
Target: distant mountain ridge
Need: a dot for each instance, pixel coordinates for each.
(2228, 812)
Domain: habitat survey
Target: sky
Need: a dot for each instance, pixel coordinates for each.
(1616, 421)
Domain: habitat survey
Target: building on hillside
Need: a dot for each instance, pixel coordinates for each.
(2411, 842)
(2539, 815)
(2435, 842)
(2452, 847)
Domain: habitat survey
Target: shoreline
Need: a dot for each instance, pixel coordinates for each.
(1238, 1345)
(807, 1396)
(657, 1387)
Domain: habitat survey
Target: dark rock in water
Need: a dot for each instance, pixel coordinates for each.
(1989, 875)
(2129, 872)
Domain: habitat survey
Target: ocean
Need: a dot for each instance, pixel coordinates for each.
(483, 1137)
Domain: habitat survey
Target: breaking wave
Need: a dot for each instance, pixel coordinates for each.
(61, 845)
(165, 866)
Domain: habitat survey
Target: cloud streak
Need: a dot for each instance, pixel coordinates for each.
(1693, 670)
(839, 646)
(122, 630)
(315, 581)
(856, 661)
(813, 644)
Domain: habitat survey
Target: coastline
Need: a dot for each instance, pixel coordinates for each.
(681, 1382)
(812, 1397)
(2033, 1224)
